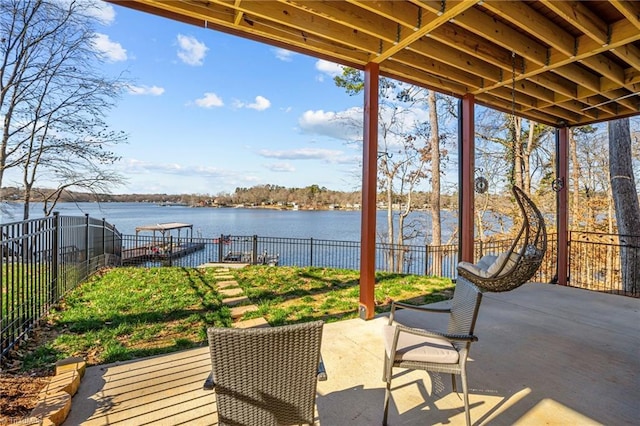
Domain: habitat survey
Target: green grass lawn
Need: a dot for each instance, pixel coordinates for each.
(127, 313)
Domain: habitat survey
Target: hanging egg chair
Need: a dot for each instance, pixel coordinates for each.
(509, 270)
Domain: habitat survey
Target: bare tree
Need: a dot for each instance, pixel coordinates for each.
(410, 144)
(625, 196)
(53, 99)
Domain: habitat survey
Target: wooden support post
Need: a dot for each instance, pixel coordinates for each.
(369, 191)
(466, 166)
(562, 215)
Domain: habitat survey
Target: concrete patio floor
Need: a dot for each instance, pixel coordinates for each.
(546, 355)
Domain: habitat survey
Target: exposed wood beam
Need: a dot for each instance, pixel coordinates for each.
(239, 14)
(400, 12)
(470, 43)
(605, 67)
(284, 15)
(414, 75)
(629, 9)
(432, 66)
(537, 24)
(502, 35)
(578, 15)
(456, 58)
(435, 22)
(630, 54)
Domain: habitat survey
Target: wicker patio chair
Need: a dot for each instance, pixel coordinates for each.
(515, 267)
(429, 350)
(266, 376)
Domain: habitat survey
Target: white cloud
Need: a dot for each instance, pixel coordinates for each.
(146, 90)
(280, 167)
(209, 100)
(326, 155)
(284, 54)
(136, 166)
(344, 125)
(261, 103)
(110, 50)
(190, 50)
(330, 68)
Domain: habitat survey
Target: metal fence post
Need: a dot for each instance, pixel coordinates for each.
(427, 252)
(86, 241)
(311, 252)
(170, 251)
(104, 238)
(55, 249)
(220, 243)
(254, 250)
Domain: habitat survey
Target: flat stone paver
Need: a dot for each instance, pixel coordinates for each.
(252, 323)
(227, 284)
(234, 301)
(231, 292)
(225, 277)
(239, 311)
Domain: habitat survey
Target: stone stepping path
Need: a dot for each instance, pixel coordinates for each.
(233, 296)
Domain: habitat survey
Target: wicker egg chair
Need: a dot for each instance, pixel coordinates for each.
(515, 267)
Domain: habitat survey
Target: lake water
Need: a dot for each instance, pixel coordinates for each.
(320, 224)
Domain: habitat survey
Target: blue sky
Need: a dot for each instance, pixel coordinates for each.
(207, 112)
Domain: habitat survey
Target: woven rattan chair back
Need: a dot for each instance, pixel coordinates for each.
(464, 308)
(266, 376)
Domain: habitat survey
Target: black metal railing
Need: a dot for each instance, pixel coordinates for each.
(41, 260)
(605, 262)
(594, 258)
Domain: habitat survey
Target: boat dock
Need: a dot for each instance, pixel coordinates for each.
(161, 245)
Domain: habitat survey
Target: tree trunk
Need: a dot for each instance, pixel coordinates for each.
(436, 228)
(625, 198)
(575, 177)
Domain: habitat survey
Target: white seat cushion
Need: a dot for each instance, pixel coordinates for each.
(490, 264)
(508, 263)
(474, 269)
(421, 349)
(486, 261)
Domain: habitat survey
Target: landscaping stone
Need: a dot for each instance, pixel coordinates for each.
(67, 381)
(225, 277)
(234, 301)
(231, 292)
(71, 363)
(53, 406)
(252, 323)
(239, 311)
(226, 284)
